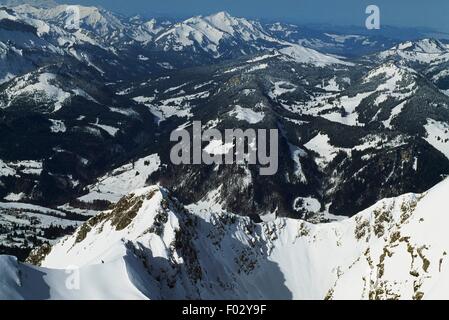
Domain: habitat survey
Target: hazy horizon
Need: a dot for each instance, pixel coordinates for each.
(400, 13)
(351, 13)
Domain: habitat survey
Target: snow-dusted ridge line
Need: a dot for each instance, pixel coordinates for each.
(152, 247)
(428, 51)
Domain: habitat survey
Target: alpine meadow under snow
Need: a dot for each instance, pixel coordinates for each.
(92, 207)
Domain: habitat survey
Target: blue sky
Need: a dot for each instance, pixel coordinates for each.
(411, 13)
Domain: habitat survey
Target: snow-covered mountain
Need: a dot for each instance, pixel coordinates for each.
(301, 54)
(91, 19)
(155, 248)
(224, 36)
(212, 33)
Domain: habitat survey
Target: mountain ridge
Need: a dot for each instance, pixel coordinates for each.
(381, 241)
(86, 117)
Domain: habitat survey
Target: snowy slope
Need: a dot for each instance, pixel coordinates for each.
(94, 22)
(388, 82)
(40, 87)
(301, 54)
(19, 55)
(384, 252)
(19, 281)
(123, 180)
(437, 135)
